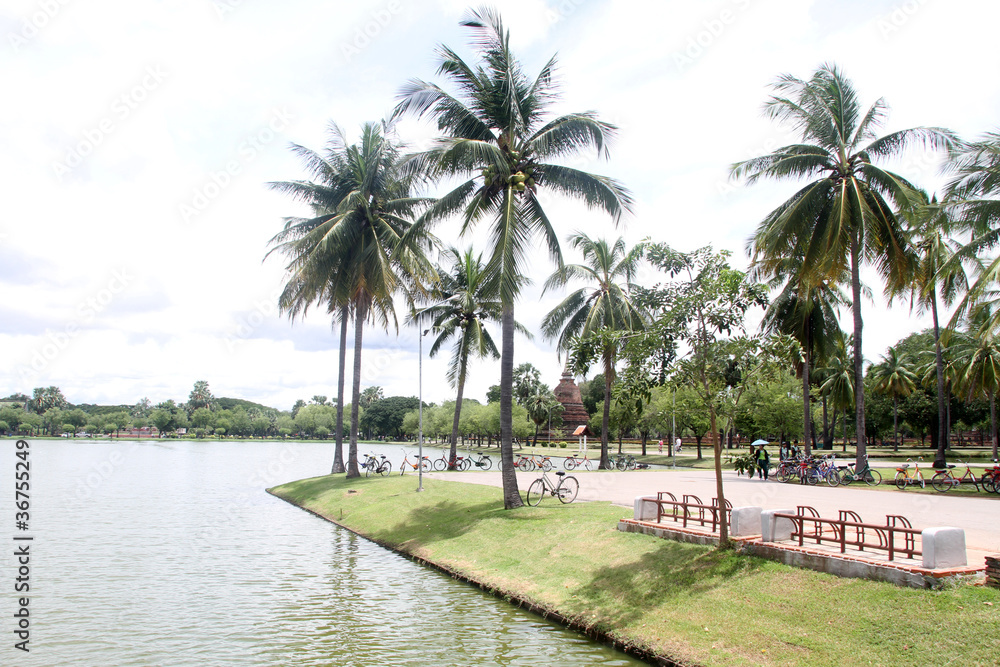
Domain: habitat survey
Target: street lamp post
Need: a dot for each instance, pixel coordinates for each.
(420, 409)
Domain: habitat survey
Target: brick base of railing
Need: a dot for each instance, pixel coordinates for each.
(993, 571)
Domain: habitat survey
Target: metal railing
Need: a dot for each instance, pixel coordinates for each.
(688, 511)
(896, 537)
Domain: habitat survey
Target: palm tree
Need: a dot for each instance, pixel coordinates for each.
(894, 377)
(603, 305)
(979, 355)
(360, 249)
(934, 276)
(844, 217)
(808, 313)
(838, 385)
(496, 139)
(462, 306)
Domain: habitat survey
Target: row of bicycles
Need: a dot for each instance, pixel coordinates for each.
(815, 470)
(381, 465)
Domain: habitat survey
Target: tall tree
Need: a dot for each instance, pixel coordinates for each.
(200, 397)
(604, 303)
(497, 140)
(845, 217)
(894, 377)
(934, 277)
(461, 307)
(361, 248)
(978, 353)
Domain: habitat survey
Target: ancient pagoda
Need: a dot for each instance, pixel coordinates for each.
(568, 394)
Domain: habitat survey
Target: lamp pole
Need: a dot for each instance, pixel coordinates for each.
(673, 428)
(549, 432)
(420, 409)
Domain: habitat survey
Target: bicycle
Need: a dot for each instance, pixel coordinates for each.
(373, 466)
(565, 490)
(945, 480)
(484, 462)
(903, 477)
(868, 475)
(531, 462)
(423, 465)
(991, 479)
(623, 462)
(573, 461)
(444, 463)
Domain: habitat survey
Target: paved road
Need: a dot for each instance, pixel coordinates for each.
(980, 517)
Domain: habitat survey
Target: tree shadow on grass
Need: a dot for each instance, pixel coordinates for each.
(447, 520)
(674, 570)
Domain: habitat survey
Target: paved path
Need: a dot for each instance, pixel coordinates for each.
(980, 517)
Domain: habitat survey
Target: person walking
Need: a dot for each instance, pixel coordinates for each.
(763, 461)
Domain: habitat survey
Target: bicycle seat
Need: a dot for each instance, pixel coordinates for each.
(560, 473)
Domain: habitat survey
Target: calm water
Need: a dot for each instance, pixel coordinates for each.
(172, 554)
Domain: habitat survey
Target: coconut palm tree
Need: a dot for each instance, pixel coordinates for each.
(844, 217)
(934, 277)
(838, 384)
(498, 140)
(461, 307)
(603, 304)
(894, 377)
(978, 353)
(808, 313)
(360, 250)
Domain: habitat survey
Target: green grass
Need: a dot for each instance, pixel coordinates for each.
(695, 604)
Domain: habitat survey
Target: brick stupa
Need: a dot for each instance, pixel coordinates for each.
(568, 394)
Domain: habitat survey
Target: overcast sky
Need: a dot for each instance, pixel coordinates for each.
(137, 138)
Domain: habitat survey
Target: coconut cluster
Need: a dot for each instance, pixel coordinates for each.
(522, 179)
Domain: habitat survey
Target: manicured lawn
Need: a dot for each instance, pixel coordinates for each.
(694, 604)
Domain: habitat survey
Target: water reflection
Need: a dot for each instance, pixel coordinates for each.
(171, 553)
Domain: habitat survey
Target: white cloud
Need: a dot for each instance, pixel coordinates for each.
(203, 81)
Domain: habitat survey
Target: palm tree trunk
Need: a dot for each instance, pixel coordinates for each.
(859, 378)
(458, 414)
(993, 421)
(338, 452)
(806, 416)
(360, 313)
(895, 423)
(511, 495)
(939, 457)
(827, 440)
(606, 419)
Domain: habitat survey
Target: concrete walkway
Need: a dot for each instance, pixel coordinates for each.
(979, 517)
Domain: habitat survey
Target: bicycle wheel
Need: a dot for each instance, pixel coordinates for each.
(426, 465)
(385, 468)
(847, 476)
(588, 464)
(569, 463)
(439, 464)
(547, 464)
(987, 483)
(620, 464)
(535, 492)
(832, 477)
(630, 464)
(873, 477)
(369, 469)
(486, 462)
(525, 465)
(920, 476)
(784, 474)
(568, 489)
(465, 465)
(901, 481)
(941, 481)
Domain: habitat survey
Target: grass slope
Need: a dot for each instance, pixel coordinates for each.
(692, 604)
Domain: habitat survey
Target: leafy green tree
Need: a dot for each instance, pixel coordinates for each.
(361, 249)
(540, 407)
(370, 395)
(142, 409)
(704, 298)
(462, 305)
(385, 417)
(493, 394)
(844, 217)
(604, 304)
(978, 355)
(498, 141)
(44, 399)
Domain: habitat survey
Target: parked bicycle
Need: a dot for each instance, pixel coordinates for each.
(623, 461)
(991, 479)
(424, 464)
(376, 466)
(565, 490)
(905, 478)
(444, 463)
(572, 462)
(483, 462)
(946, 480)
(868, 475)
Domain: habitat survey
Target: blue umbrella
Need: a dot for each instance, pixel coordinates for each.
(759, 442)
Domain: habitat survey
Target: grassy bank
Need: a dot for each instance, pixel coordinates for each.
(693, 604)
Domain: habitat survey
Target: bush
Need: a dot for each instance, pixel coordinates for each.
(562, 445)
